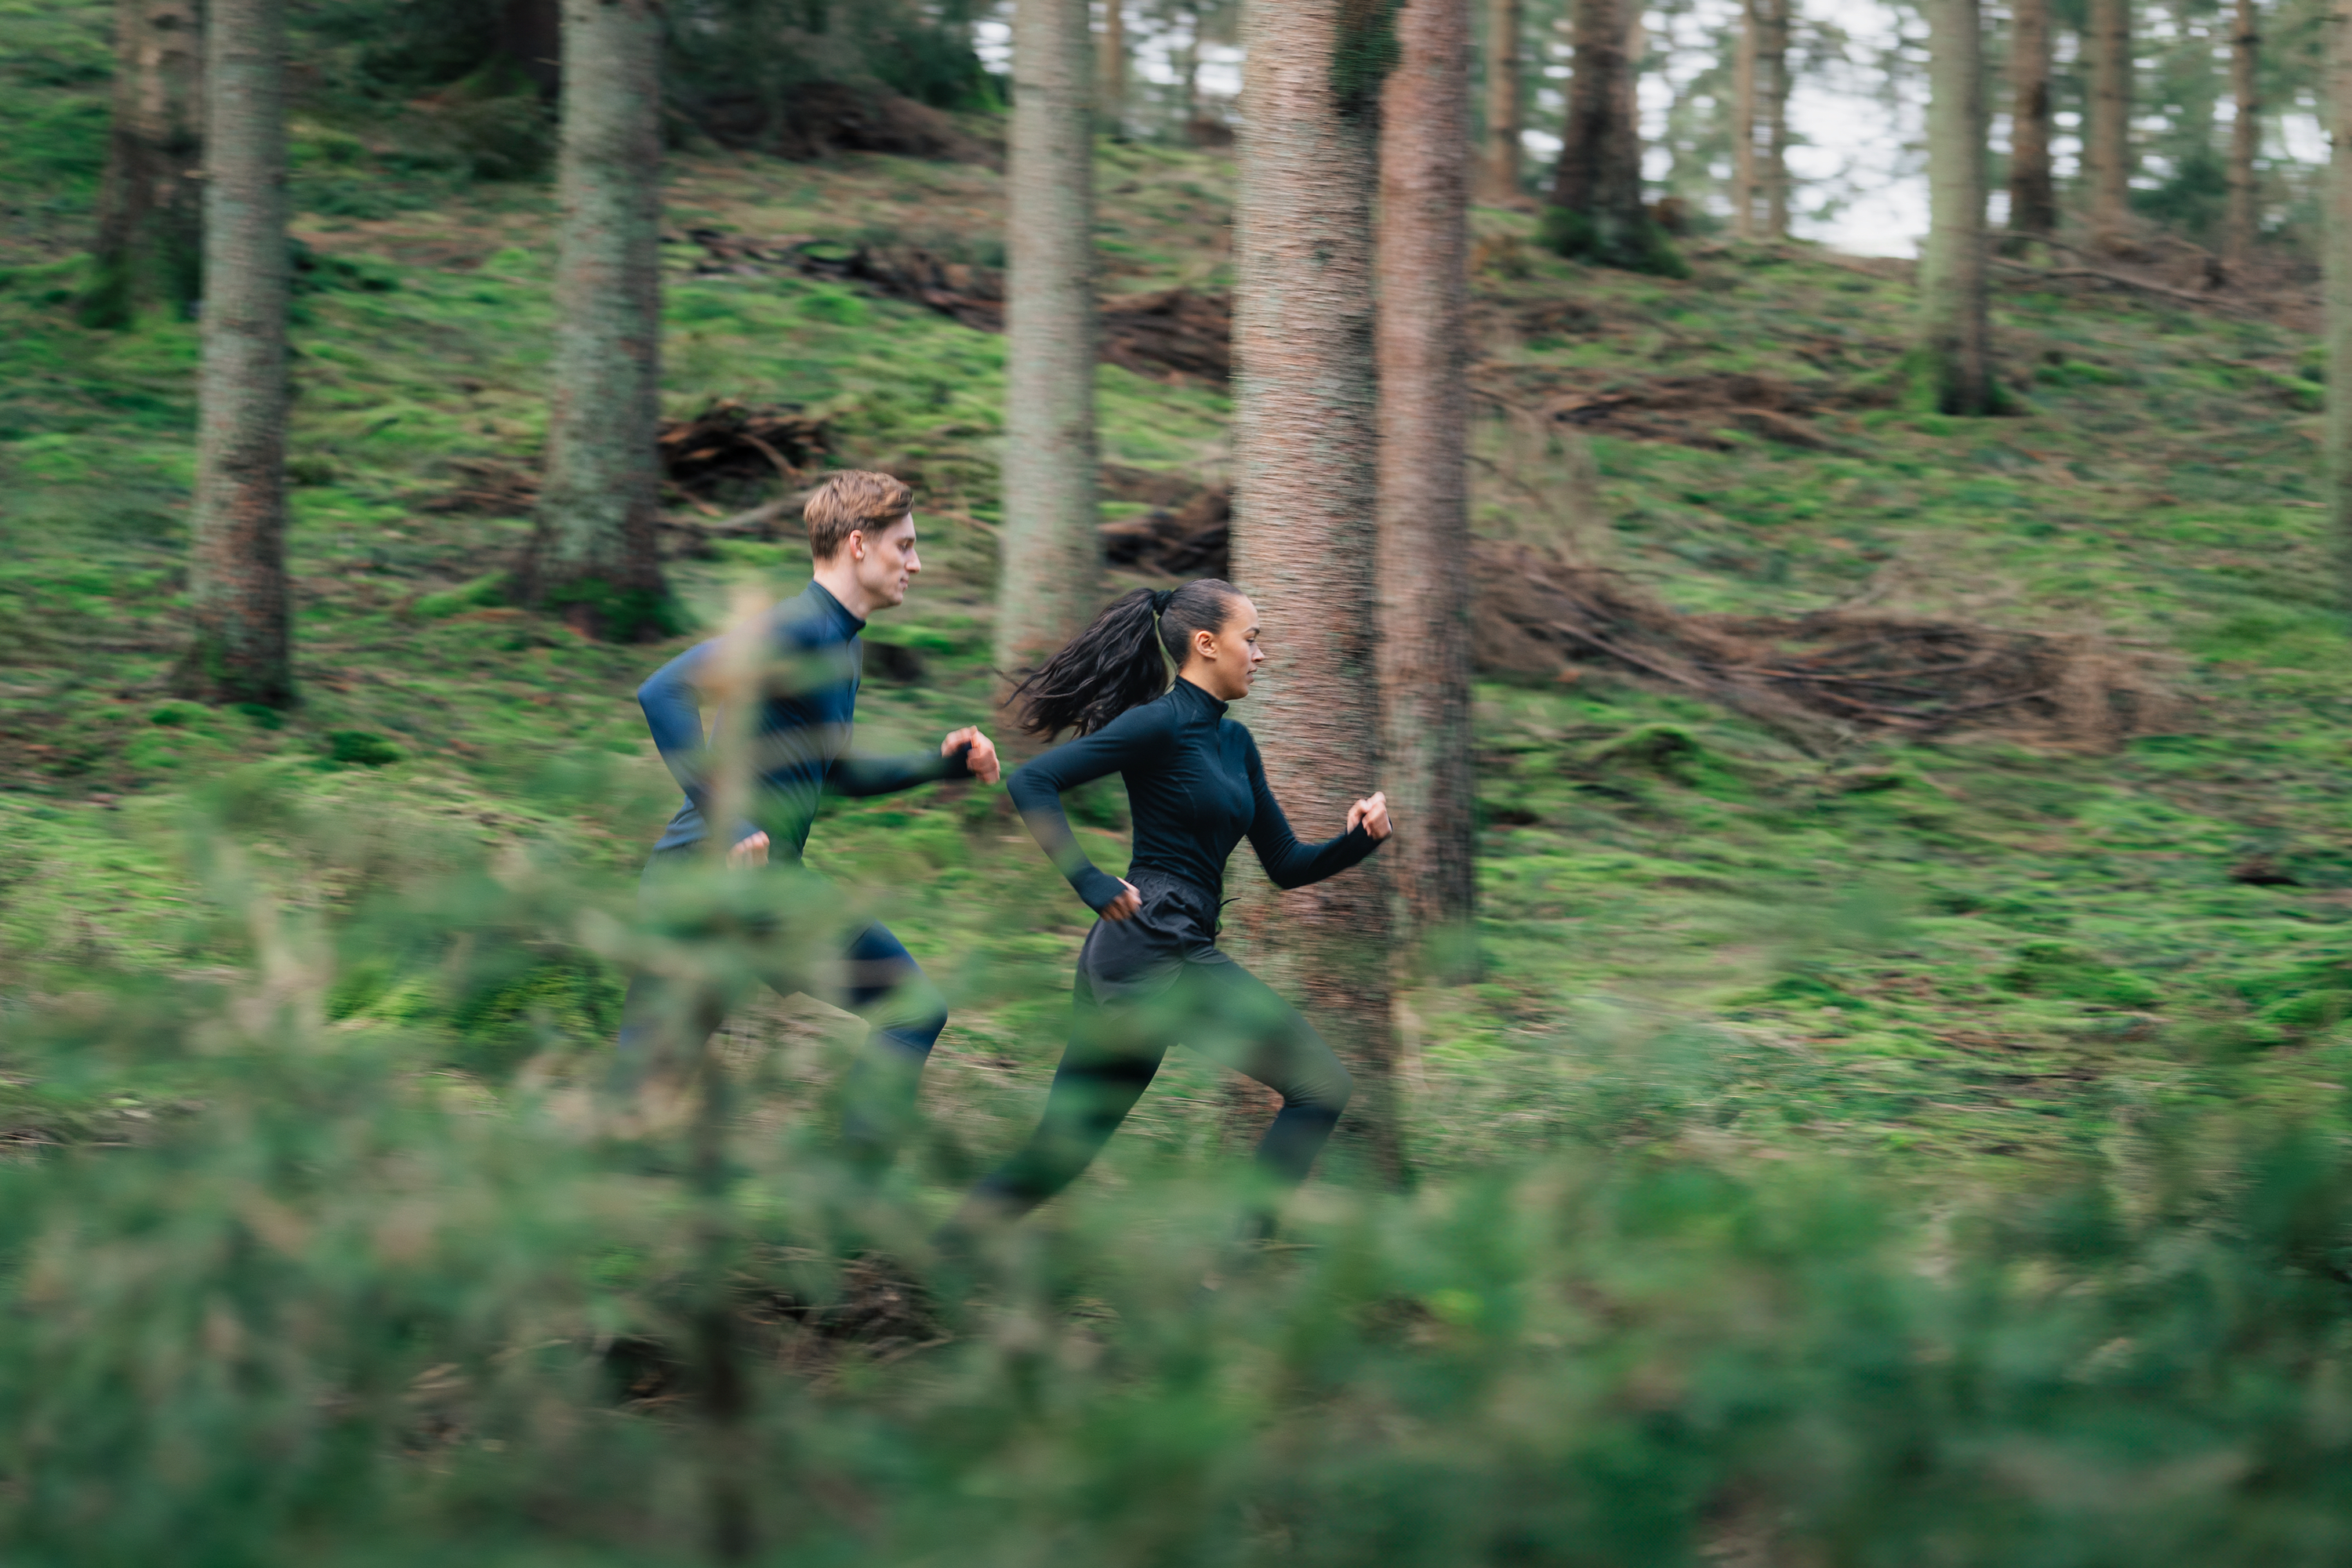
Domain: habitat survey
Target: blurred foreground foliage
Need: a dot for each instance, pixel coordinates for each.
(331, 1300)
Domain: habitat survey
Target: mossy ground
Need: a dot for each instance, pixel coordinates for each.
(1969, 956)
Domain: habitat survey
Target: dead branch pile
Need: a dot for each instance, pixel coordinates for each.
(731, 441)
(822, 117)
(1689, 410)
(1169, 330)
(1816, 678)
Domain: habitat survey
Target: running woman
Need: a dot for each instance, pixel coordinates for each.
(1150, 973)
(861, 530)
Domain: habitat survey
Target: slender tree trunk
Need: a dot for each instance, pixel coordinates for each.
(237, 569)
(1498, 169)
(1743, 121)
(1423, 353)
(1955, 338)
(1305, 535)
(1597, 184)
(2033, 195)
(1050, 576)
(2244, 220)
(2338, 242)
(1110, 91)
(1772, 67)
(2107, 147)
(595, 553)
(150, 247)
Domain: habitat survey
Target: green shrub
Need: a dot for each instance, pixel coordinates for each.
(361, 748)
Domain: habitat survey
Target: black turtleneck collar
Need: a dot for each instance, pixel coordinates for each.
(822, 597)
(1186, 691)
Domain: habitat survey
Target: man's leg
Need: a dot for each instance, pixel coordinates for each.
(1114, 1054)
(905, 1012)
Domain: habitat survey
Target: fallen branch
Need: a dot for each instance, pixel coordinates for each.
(2119, 279)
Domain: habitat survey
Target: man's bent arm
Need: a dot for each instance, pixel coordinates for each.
(672, 707)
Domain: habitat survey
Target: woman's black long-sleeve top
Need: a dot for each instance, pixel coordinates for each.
(1195, 787)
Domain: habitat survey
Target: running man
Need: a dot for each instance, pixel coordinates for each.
(861, 530)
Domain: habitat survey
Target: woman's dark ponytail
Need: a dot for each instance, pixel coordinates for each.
(1122, 659)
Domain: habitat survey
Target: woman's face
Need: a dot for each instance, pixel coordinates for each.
(1224, 662)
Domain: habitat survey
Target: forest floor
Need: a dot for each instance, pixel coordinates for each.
(1969, 955)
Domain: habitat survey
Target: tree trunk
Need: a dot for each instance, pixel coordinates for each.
(1955, 346)
(2337, 238)
(1305, 535)
(1050, 572)
(1423, 353)
(594, 555)
(1597, 184)
(2244, 220)
(2106, 147)
(1773, 67)
(1110, 91)
(150, 247)
(1743, 121)
(1498, 169)
(2032, 194)
(237, 569)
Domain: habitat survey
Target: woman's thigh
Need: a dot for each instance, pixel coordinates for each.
(1226, 1013)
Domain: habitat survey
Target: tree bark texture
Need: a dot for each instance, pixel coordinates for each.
(1500, 157)
(1423, 352)
(2106, 147)
(1759, 144)
(236, 568)
(2338, 287)
(1050, 572)
(594, 555)
(1111, 66)
(1305, 533)
(2032, 194)
(1743, 121)
(150, 246)
(1598, 179)
(1772, 63)
(1955, 337)
(2243, 220)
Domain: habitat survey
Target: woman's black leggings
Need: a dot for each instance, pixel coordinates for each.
(1217, 1007)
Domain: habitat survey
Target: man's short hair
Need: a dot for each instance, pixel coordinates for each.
(850, 501)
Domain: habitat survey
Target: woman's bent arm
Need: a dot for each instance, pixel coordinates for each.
(1288, 862)
(1037, 789)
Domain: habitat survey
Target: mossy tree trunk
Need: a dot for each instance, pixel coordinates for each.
(2106, 145)
(1500, 157)
(1050, 573)
(1110, 71)
(2243, 220)
(1955, 354)
(2339, 287)
(594, 556)
(1305, 535)
(1596, 182)
(237, 569)
(2032, 194)
(1424, 355)
(150, 244)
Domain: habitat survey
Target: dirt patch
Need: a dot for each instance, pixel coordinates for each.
(1170, 331)
(817, 118)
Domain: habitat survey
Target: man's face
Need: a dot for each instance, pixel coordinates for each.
(889, 563)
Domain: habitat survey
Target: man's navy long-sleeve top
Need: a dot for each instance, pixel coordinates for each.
(1195, 788)
(800, 745)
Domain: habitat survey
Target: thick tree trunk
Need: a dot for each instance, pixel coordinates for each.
(1423, 353)
(237, 569)
(1772, 68)
(1305, 535)
(1050, 575)
(1498, 166)
(1597, 184)
(2244, 220)
(2107, 147)
(2032, 194)
(1111, 66)
(1743, 121)
(1955, 338)
(595, 553)
(2337, 240)
(150, 246)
